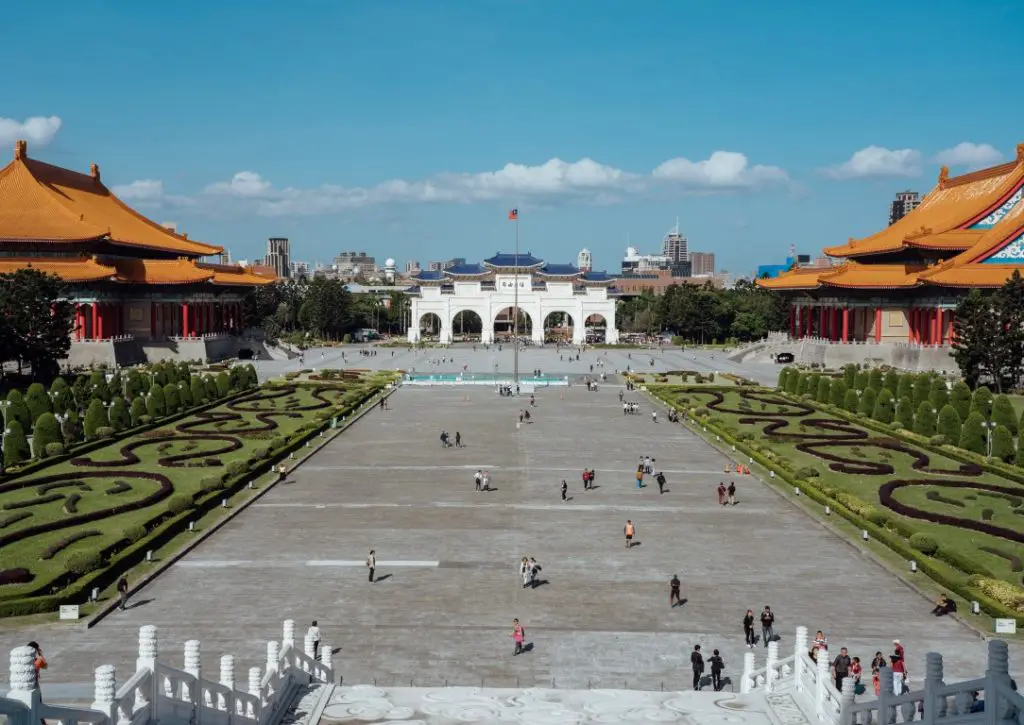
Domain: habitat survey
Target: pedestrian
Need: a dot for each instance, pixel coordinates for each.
(592, 477)
(314, 633)
(855, 672)
(697, 660)
(748, 628)
(732, 493)
(282, 471)
(122, 593)
(660, 478)
(478, 478)
(586, 479)
(673, 591)
(630, 532)
(767, 624)
(524, 571)
(371, 563)
(654, 416)
(565, 491)
(899, 675)
(640, 477)
(518, 636)
(458, 439)
(487, 480)
(841, 667)
(721, 493)
(534, 571)
(382, 403)
(717, 665)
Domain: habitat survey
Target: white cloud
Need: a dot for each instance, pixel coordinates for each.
(140, 190)
(722, 170)
(878, 162)
(972, 155)
(37, 130)
(244, 184)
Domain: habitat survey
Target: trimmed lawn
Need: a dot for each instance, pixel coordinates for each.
(132, 482)
(859, 461)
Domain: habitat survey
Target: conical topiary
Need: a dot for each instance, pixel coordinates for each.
(972, 434)
(924, 420)
(1003, 413)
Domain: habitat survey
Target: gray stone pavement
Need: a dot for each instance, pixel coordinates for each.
(447, 559)
(543, 358)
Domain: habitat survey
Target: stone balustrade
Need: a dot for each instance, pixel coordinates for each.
(936, 703)
(159, 692)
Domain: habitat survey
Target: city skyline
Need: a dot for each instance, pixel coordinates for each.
(753, 149)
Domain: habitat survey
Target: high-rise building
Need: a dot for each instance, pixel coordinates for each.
(584, 262)
(279, 256)
(703, 264)
(300, 270)
(674, 246)
(904, 203)
(355, 263)
(412, 266)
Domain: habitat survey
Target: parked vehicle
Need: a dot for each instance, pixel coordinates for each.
(784, 358)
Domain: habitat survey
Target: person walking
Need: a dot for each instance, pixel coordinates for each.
(630, 531)
(717, 665)
(748, 628)
(371, 563)
(478, 478)
(640, 477)
(534, 568)
(122, 593)
(458, 439)
(721, 493)
(674, 587)
(767, 624)
(660, 478)
(565, 491)
(518, 636)
(487, 480)
(314, 633)
(585, 476)
(524, 571)
(841, 667)
(697, 660)
(732, 493)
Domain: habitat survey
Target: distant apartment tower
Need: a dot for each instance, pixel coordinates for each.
(447, 264)
(584, 261)
(674, 246)
(412, 266)
(904, 203)
(348, 263)
(702, 264)
(300, 270)
(279, 256)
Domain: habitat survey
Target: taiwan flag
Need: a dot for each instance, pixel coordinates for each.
(513, 214)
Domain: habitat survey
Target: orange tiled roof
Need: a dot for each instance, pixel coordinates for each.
(957, 239)
(160, 271)
(872, 276)
(45, 203)
(953, 204)
(82, 269)
(795, 279)
(970, 275)
(228, 274)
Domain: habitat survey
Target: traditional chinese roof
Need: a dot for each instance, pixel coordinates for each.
(40, 202)
(796, 279)
(467, 270)
(233, 275)
(71, 269)
(160, 271)
(497, 264)
(512, 260)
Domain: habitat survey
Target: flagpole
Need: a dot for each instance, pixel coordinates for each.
(515, 310)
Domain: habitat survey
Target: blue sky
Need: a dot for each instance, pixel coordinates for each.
(408, 128)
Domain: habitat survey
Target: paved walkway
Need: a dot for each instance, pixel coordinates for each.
(443, 609)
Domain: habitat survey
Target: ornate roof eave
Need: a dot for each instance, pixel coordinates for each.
(510, 269)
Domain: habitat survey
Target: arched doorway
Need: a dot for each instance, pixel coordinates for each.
(596, 328)
(467, 326)
(506, 325)
(430, 326)
(558, 327)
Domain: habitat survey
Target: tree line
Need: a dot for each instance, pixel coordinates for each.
(988, 329)
(705, 313)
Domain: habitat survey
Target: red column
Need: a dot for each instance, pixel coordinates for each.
(878, 324)
(936, 326)
(185, 332)
(836, 333)
(846, 324)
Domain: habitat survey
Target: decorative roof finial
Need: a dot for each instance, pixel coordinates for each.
(943, 176)
(94, 171)
(21, 149)
(1020, 152)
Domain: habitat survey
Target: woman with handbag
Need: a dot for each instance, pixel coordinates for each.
(855, 671)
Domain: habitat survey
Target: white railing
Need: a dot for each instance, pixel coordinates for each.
(990, 700)
(158, 692)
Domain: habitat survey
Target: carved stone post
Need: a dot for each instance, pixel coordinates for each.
(289, 634)
(822, 685)
(846, 702)
(103, 692)
(326, 655)
(800, 647)
(227, 678)
(273, 655)
(770, 671)
(998, 672)
(193, 667)
(148, 652)
(24, 687)
(935, 706)
(747, 678)
(255, 678)
(886, 712)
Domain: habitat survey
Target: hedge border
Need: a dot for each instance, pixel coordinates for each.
(990, 606)
(136, 553)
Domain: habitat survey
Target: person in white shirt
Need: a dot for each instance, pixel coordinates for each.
(314, 632)
(371, 563)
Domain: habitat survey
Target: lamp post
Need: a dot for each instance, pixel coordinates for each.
(61, 419)
(4, 405)
(989, 425)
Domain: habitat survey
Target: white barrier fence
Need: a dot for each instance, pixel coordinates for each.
(989, 700)
(158, 692)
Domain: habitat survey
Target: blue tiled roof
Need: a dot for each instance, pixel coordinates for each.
(466, 269)
(510, 260)
(597, 277)
(559, 269)
(429, 276)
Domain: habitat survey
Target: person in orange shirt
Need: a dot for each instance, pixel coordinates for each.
(630, 531)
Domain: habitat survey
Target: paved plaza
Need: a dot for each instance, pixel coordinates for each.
(447, 559)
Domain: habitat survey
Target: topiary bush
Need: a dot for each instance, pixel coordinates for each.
(138, 410)
(923, 543)
(120, 418)
(172, 402)
(866, 406)
(54, 449)
(981, 402)
(15, 445)
(95, 418)
(223, 384)
(824, 388)
(807, 472)
(922, 388)
(105, 431)
(837, 393)
(209, 484)
(236, 468)
(949, 424)
(1002, 414)
(875, 380)
(851, 401)
(891, 382)
(1002, 444)
(938, 396)
(178, 504)
(20, 575)
(862, 380)
(83, 562)
(46, 432)
(37, 401)
(883, 411)
(972, 434)
(924, 421)
(960, 399)
(156, 402)
(135, 533)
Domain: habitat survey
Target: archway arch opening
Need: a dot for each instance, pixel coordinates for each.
(507, 324)
(430, 326)
(558, 327)
(596, 328)
(467, 326)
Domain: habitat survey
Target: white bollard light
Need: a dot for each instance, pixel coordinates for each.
(224, 503)
(149, 555)
(828, 511)
(796, 490)
(975, 608)
(913, 566)
(864, 534)
(191, 525)
(771, 474)
(95, 595)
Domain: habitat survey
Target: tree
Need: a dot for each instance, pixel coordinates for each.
(989, 335)
(172, 403)
(922, 388)
(906, 386)
(73, 427)
(1003, 414)
(905, 412)
(949, 424)
(851, 401)
(850, 375)
(938, 396)
(824, 383)
(185, 394)
(837, 393)
(138, 409)
(116, 385)
(1002, 443)
(99, 390)
(155, 403)
(198, 391)
(211, 388)
(793, 383)
(35, 328)
(119, 416)
(862, 380)
(15, 445)
(981, 402)
(784, 378)
(46, 431)
(80, 392)
(875, 379)
(63, 397)
(960, 399)
(252, 380)
(892, 382)
(223, 384)
(924, 421)
(867, 402)
(95, 418)
(37, 400)
(972, 434)
(17, 410)
(884, 406)
(1019, 459)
